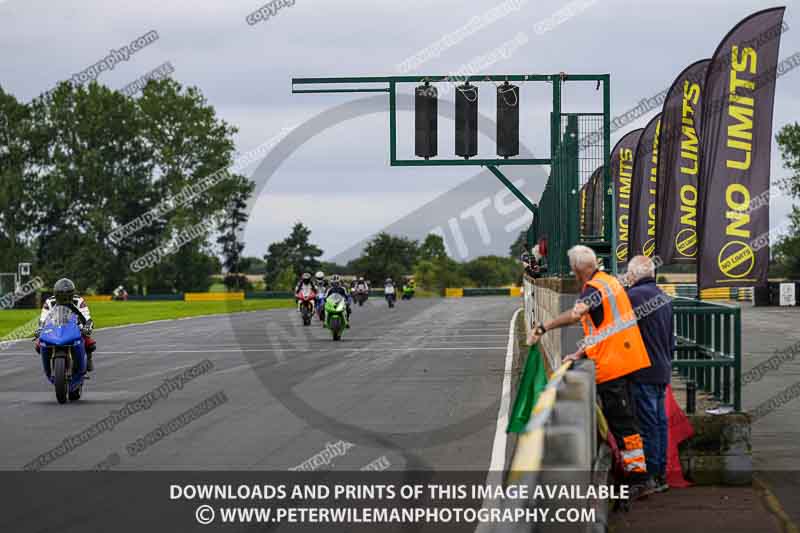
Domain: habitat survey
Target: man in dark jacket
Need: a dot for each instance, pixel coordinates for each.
(653, 311)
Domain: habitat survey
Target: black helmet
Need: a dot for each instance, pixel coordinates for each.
(64, 291)
(335, 280)
(307, 276)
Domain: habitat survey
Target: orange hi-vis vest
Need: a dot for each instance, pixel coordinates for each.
(616, 345)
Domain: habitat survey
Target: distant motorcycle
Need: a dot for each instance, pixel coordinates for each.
(305, 298)
(389, 294)
(63, 352)
(408, 292)
(360, 295)
(320, 301)
(336, 315)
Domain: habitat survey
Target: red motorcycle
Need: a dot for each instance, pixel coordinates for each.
(306, 297)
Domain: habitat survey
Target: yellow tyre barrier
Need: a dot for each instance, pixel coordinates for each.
(97, 298)
(668, 288)
(454, 293)
(722, 293)
(213, 296)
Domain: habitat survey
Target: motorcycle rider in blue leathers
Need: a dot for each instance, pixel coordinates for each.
(64, 294)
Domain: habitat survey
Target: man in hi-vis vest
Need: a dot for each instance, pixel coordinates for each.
(613, 341)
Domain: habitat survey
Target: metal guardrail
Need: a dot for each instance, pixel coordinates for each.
(709, 347)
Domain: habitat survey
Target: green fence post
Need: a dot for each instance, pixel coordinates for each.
(571, 182)
(737, 354)
(727, 338)
(392, 122)
(717, 322)
(609, 209)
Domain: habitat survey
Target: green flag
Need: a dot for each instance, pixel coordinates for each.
(533, 382)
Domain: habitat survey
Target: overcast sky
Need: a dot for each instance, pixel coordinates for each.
(339, 182)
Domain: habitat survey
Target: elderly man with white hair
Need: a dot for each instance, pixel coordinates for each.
(648, 385)
(612, 340)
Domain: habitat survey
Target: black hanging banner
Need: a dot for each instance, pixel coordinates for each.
(643, 191)
(597, 196)
(736, 140)
(679, 166)
(621, 174)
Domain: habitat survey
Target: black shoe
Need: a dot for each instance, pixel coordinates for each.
(89, 363)
(661, 484)
(642, 490)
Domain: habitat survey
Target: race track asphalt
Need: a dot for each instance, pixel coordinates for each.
(415, 387)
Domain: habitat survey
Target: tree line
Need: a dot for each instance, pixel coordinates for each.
(786, 253)
(386, 256)
(79, 162)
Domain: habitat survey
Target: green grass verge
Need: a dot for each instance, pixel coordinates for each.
(106, 314)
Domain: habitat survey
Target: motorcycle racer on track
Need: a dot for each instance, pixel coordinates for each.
(336, 287)
(64, 294)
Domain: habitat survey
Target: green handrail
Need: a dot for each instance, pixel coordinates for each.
(709, 347)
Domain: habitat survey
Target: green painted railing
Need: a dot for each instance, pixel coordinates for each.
(709, 347)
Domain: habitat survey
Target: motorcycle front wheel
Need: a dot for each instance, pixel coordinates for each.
(60, 379)
(336, 328)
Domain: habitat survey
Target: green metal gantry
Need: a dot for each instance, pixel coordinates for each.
(559, 221)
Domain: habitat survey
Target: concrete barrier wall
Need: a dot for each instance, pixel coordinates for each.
(559, 446)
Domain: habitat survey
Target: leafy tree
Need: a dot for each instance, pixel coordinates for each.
(94, 172)
(787, 250)
(385, 256)
(493, 271)
(296, 252)
(252, 265)
(98, 159)
(432, 248)
(285, 281)
(16, 201)
(439, 274)
(230, 230)
(188, 143)
(194, 267)
(329, 268)
(520, 245)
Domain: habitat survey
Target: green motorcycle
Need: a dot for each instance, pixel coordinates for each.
(336, 315)
(408, 292)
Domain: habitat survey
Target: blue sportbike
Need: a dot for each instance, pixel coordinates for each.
(63, 351)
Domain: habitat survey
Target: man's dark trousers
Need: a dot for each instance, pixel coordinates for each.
(652, 418)
(619, 410)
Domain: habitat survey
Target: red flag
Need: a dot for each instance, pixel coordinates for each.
(678, 430)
